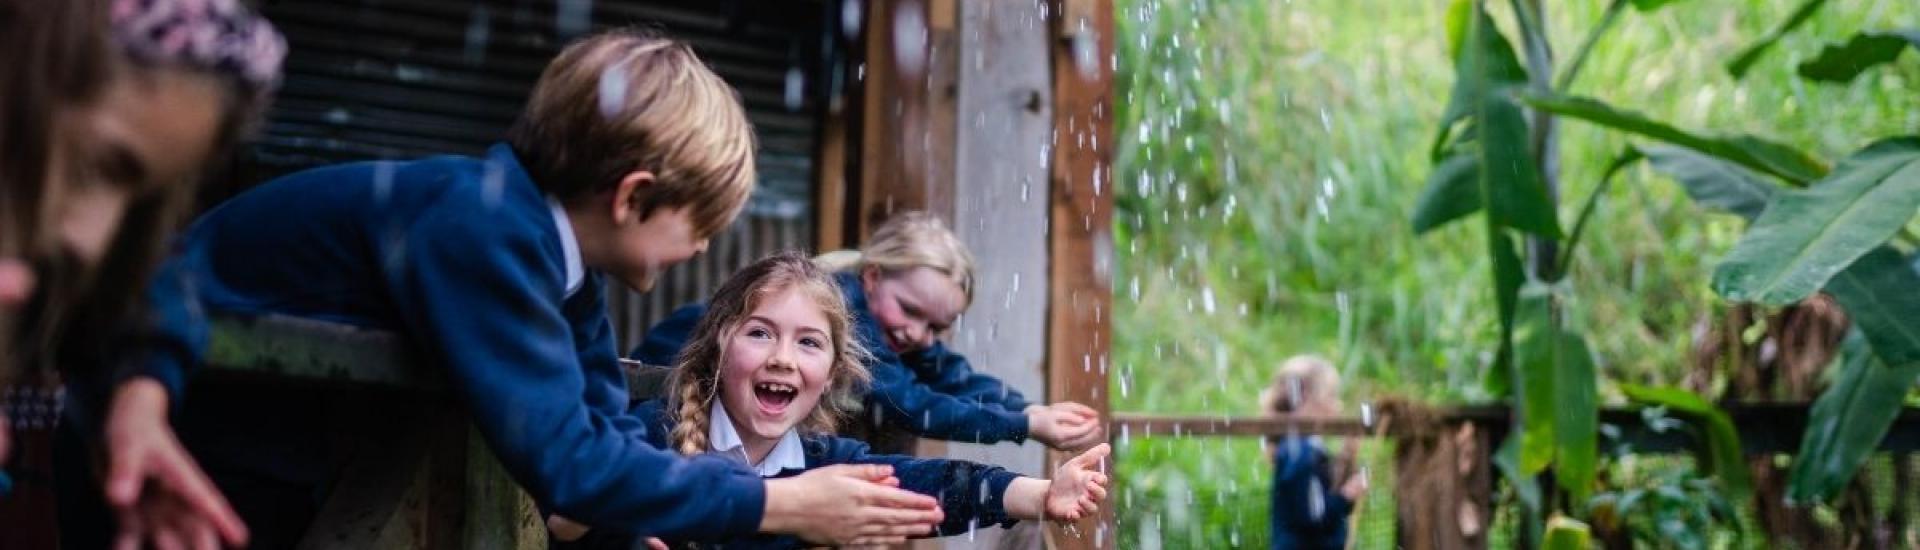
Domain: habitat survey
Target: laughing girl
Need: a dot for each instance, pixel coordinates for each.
(771, 370)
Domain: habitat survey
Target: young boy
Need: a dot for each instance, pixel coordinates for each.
(492, 267)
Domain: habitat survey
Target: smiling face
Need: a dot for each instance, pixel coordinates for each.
(775, 366)
(913, 306)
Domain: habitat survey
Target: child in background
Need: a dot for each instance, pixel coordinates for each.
(1312, 495)
(493, 268)
(906, 287)
(768, 373)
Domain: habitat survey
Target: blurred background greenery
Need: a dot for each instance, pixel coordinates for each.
(1272, 150)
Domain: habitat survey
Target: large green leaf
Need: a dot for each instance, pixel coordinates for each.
(1508, 276)
(1712, 182)
(1806, 236)
(1722, 457)
(1846, 424)
(1754, 153)
(1741, 63)
(1842, 62)
(1510, 184)
(1565, 533)
(1534, 340)
(1577, 415)
(1499, 161)
(1558, 400)
(1484, 64)
(1452, 192)
(1881, 294)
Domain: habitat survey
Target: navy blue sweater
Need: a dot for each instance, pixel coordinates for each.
(462, 256)
(932, 392)
(1308, 512)
(970, 494)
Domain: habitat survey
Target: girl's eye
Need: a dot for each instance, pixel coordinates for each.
(757, 332)
(812, 343)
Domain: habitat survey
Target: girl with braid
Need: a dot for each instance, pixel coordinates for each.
(773, 368)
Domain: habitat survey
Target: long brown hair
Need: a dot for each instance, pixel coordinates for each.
(695, 379)
(52, 55)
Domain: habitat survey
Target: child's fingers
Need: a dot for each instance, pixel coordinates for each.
(1091, 456)
(1099, 493)
(1082, 411)
(878, 541)
(655, 544)
(913, 504)
(869, 472)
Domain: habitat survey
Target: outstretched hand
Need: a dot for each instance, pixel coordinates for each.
(1065, 426)
(153, 486)
(1078, 486)
(857, 504)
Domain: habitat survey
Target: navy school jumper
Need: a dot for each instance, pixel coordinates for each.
(970, 494)
(1308, 511)
(463, 257)
(932, 392)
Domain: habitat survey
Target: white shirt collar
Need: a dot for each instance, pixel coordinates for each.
(722, 437)
(569, 247)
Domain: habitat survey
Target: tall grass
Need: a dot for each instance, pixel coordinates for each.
(1271, 150)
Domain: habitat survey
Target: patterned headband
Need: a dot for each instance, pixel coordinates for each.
(220, 36)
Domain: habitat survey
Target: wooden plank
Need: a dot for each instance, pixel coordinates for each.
(297, 348)
(1765, 428)
(999, 208)
(1080, 228)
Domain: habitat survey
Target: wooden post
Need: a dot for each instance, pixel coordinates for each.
(1080, 229)
(1000, 196)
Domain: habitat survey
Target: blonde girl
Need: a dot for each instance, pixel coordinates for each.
(903, 290)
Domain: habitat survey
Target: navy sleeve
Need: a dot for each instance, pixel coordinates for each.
(972, 495)
(665, 338)
(950, 373)
(908, 403)
(484, 298)
(166, 345)
(1306, 511)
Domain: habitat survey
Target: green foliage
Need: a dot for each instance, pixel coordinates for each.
(1751, 55)
(1847, 423)
(1878, 293)
(1269, 155)
(1565, 533)
(1712, 182)
(1759, 154)
(1842, 62)
(1671, 507)
(1806, 236)
(1719, 453)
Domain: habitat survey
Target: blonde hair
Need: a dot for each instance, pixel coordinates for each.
(695, 380)
(673, 116)
(908, 240)
(1300, 379)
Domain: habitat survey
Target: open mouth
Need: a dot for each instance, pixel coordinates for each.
(774, 396)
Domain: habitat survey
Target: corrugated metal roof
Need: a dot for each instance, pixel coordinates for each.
(411, 78)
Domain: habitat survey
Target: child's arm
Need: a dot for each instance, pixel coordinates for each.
(950, 373)
(907, 402)
(1075, 491)
(489, 312)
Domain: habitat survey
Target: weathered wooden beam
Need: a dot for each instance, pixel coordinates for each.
(1080, 228)
(306, 349)
(1765, 428)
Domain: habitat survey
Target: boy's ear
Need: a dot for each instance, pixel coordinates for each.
(625, 202)
(869, 276)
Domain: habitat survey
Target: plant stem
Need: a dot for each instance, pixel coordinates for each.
(1626, 158)
(1586, 46)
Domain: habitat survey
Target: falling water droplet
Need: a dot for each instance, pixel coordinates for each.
(795, 88)
(479, 27)
(910, 38)
(572, 17)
